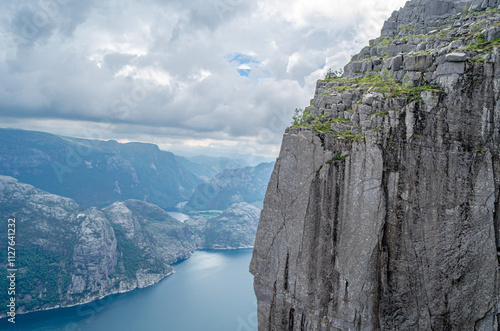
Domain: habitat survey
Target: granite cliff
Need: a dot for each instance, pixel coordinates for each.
(382, 212)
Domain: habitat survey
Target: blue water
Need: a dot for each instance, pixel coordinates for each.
(211, 291)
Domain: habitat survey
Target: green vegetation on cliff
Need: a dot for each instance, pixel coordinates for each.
(383, 83)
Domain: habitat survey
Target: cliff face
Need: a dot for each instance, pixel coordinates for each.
(382, 209)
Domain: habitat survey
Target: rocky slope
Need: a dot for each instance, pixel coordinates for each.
(234, 228)
(232, 186)
(382, 209)
(66, 255)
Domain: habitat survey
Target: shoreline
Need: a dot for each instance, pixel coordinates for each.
(92, 300)
(2, 316)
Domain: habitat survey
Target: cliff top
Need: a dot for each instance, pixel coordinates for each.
(426, 49)
(423, 14)
(425, 26)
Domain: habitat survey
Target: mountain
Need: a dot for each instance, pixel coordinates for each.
(234, 228)
(95, 173)
(66, 255)
(382, 209)
(207, 166)
(232, 186)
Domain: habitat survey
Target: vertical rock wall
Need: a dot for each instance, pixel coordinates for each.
(397, 229)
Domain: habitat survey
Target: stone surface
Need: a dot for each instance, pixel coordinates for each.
(234, 228)
(492, 33)
(418, 62)
(339, 127)
(456, 57)
(398, 230)
(449, 68)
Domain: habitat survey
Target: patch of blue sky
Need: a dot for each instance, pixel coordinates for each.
(241, 58)
(248, 66)
(244, 63)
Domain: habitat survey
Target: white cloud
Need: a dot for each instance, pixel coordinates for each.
(211, 75)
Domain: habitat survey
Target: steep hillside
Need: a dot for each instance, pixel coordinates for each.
(382, 209)
(67, 255)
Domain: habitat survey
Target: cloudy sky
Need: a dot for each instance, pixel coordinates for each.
(217, 77)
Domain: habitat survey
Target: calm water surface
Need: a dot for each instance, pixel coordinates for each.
(211, 291)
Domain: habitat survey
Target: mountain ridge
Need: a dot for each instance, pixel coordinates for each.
(231, 186)
(73, 167)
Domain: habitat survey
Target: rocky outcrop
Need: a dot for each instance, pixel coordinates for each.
(234, 228)
(382, 209)
(67, 256)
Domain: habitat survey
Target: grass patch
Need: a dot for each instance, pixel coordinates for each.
(381, 113)
(209, 213)
(371, 58)
(384, 83)
(478, 60)
(338, 158)
(308, 119)
(482, 46)
(480, 149)
(348, 136)
(341, 120)
(385, 41)
(406, 28)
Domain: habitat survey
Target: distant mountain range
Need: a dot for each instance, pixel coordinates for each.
(231, 186)
(98, 173)
(207, 167)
